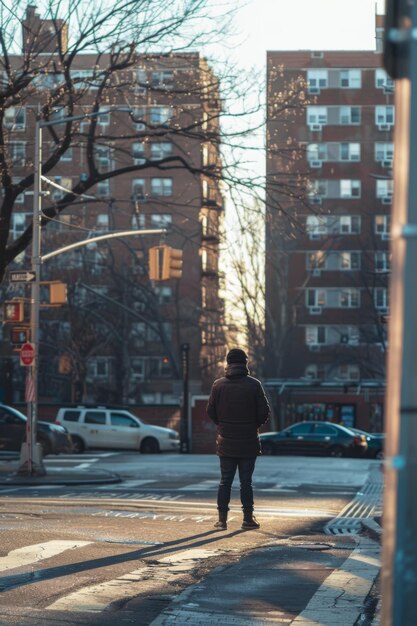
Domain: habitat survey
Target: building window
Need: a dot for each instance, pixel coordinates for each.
(348, 372)
(384, 189)
(315, 335)
(316, 225)
(316, 190)
(67, 156)
(316, 116)
(315, 297)
(384, 116)
(160, 116)
(98, 367)
(383, 81)
(350, 79)
(103, 188)
(350, 151)
(17, 151)
(349, 115)
(137, 368)
(161, 187)
(350, 188)
(138, 153)
(137, 221)
(382, 261)
(139, 118)
(317, 79)
(349, 224)
(102, 154)
(163, 294)
(162, 78)
(104, 118)
(316, 260)
(66, 185)
(140, 82)
(382, 225)
(349, 298)
(160, 150)
(161, 220)
(381, 298)
(19, 223)
(138, 188)
(15, 118)
(384, 152)
(349, 260)
(102, 222)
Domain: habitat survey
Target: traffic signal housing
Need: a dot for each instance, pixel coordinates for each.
(164, 263)
(13, 311)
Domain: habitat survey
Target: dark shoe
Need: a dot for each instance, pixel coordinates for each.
(221, 524)
(250, 522)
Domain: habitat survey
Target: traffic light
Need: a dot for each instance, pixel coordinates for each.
(13, 311)
(19, 335)
(164, 263)
(172, 263)
(57, 293)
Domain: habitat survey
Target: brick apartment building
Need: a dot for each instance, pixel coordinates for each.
(119, 338)
(329, 190)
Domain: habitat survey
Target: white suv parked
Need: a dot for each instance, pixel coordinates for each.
(102, 427)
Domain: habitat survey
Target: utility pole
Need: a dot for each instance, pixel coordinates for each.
(399, 567)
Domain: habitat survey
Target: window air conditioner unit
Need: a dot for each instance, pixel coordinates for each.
(314, 90)
(314, 347)
(140, 161)
(387, 163)
(344, 338)
(385, 237)
(315, 310)
(140, 126)
(384, 126)
(315, 163)
(316, 273)
(387, 200)
(382, 310)
(315, 126)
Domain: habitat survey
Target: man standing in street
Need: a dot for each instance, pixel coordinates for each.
(238, 406)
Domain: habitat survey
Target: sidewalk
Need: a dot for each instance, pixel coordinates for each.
(54, 476)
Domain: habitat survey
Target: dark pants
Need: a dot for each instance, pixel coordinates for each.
(228, 467)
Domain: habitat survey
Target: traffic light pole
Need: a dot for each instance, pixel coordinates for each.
(31, 452)
(185, 358)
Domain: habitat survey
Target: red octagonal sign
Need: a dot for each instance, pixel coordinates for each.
(27, 354)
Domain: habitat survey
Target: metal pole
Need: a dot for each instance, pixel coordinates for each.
(184, 439)
(31, 457)
(399, 567)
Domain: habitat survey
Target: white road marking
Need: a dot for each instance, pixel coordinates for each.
(201, 486)
(338, 598)
(127, 484)
(37, 552)
(97, 597)
(60, 461)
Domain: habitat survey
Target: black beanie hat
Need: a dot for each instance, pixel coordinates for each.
(236, 355)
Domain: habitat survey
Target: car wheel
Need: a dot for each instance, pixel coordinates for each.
(149, 446)
(379, 455)
(336, 451)
(78, 445)
(267, 448)
(46, 447)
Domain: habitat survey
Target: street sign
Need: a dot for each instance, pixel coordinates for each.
(27, 354)
(22, 277)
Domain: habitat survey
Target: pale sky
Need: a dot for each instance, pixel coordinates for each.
(304, 24)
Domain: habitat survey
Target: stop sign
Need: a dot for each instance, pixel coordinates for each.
(27, 354)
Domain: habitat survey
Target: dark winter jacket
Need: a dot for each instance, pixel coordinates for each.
(238, 406)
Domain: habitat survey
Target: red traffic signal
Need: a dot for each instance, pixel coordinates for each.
(13, 311)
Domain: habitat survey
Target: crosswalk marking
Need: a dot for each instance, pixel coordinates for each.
(204, 485)
(97, 598)
(127, 484)
(37, 552)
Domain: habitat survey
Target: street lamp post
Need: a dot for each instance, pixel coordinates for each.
(31, 452)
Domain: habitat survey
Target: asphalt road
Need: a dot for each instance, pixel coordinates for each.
(121, 553)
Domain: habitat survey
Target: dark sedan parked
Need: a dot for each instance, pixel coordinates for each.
(54, 439)
(314, 438)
